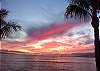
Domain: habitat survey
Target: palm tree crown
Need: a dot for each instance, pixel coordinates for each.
(7, 28)
(81, 8)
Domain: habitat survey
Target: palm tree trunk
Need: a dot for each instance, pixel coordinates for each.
(95, 25)
(97, 48)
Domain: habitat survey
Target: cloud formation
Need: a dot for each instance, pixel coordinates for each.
(58, 39)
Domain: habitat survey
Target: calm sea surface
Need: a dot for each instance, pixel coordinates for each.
(45, 63)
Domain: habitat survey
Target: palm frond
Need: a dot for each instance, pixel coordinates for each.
(9, 28)
(76, 12)
(5, 31)
(3, 13)
(85, 4)
(14, 26)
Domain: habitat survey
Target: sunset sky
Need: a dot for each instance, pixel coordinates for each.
(45, 30)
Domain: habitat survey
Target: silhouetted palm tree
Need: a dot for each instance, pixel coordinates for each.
(85, 9)
(6, 28)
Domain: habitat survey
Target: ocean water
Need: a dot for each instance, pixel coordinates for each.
(45, 63)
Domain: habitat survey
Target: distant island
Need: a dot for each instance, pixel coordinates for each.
(89, 54)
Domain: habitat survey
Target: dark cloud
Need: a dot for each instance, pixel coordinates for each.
(86, 39)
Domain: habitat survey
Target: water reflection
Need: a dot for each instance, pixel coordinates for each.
(45, 63)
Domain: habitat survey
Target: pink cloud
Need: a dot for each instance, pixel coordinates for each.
(52, 31)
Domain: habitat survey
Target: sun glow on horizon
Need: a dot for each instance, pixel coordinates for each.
(23, 50)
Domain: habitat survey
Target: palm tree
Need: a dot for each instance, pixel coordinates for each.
(87, 9)
(7, 27)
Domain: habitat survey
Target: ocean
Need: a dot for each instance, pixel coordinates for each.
(14, 62)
